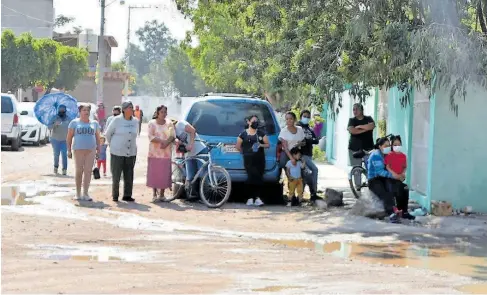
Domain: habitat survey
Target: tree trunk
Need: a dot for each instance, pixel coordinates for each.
(481, 18)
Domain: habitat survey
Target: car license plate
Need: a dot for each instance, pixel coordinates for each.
(230, 149)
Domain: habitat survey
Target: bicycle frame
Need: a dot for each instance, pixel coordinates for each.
(205, 164)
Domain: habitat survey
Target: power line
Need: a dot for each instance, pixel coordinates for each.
(26, 15)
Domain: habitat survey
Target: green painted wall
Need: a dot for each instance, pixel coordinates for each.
(459, 158)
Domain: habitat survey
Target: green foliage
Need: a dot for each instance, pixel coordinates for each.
(183, 76)
(73, 65)
(318, 154)
(47, 61)
(287, 46)
(27, 62)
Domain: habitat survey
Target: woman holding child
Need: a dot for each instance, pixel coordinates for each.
(251, 143)
(381, 177)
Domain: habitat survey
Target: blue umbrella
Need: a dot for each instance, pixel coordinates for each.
(46, 109)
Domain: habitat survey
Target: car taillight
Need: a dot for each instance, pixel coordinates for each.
(16, 120)
(278, 150)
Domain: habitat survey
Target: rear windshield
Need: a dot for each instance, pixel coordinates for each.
(7, 106)
(227, 118)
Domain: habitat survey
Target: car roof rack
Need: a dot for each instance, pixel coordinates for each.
(231, 95)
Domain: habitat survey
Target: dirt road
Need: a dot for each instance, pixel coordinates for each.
(51, 244)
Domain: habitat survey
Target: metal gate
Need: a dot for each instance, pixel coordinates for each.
(420, 143)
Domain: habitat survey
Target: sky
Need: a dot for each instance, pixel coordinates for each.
(88, 14)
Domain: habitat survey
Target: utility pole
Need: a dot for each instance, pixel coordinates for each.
(101, 55)
(127, 61)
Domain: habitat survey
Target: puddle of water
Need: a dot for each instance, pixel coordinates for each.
(13, 196)
(470, 262)
(473, 289)
(88, 253)
(275, 288)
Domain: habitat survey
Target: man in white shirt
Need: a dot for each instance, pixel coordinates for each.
(187, 136)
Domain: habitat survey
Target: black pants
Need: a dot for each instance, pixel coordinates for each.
(380, 187)
(125, 165)
(400, 192)
(254, 166)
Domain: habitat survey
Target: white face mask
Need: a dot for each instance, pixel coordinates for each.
(397, 149)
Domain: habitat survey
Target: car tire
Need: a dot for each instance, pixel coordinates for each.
(274, 194)
(38, 142)
(16, 143)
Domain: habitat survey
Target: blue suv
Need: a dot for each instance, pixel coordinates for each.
(221, 118)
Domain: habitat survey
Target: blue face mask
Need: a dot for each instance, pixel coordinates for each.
(305, 121)
(386, 150)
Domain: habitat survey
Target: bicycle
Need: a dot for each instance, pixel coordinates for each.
(360, 170)
(215, 178)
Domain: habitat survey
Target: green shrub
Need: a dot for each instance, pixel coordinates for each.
(318, 154)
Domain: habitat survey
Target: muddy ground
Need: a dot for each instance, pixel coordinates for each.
(51, 244)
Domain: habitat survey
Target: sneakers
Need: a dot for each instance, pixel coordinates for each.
(294, 201)
(56, 171)
(258, 202)
(250, 202)
(408, 216)
(128, 199)
(394, 218)
(86, 197)
(65, 172)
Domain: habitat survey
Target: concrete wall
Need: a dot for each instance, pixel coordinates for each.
(337, 134)
(459, 159)
(112, 92)
(35, 16)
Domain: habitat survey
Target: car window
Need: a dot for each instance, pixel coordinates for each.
(7, 105)
(227, 118)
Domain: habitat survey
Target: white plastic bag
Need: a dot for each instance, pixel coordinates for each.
(322, 143)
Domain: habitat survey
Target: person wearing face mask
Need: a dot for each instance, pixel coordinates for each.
(251, 143)
(59, 133)
(307, 154)
(378, 177)
(396, 163)
(116, 111)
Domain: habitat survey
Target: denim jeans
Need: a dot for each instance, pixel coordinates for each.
(192, 165)
(312, 179)
(60, 147)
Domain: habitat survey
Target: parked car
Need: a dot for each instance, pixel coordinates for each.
(10, 122)
(221, 118)
(32, 130)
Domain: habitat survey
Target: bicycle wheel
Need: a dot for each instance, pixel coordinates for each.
(216, 194)
(355, 187)
(178, 179)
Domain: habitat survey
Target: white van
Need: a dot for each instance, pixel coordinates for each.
(11, 130)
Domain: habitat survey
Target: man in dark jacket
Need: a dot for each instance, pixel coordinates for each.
(310, 139)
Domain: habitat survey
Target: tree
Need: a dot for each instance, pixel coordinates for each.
(47, 62)
(295, 46)
(155, 40)
(158, 81)
(18, 61)
(182, 74)
(61, 21)
(72, 67)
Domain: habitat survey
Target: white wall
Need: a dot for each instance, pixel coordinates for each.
(34, 16)
(341, 135)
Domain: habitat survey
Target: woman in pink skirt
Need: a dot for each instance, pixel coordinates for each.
(161, 136)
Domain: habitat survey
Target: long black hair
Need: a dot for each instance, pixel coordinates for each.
(158, 109)
(248, 118)
(380, 141)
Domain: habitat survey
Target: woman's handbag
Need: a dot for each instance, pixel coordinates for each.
(96, 172)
